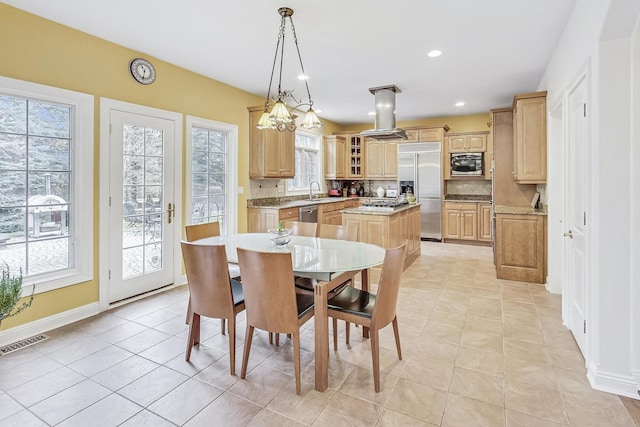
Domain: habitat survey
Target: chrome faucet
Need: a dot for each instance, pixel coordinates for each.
(311, 189)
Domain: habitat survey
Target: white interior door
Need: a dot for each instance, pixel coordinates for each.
(576, 211)
(142, 207)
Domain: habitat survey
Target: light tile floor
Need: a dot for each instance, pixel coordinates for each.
(478, 351)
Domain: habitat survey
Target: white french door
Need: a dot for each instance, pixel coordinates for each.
(576, 180)
(141, 204)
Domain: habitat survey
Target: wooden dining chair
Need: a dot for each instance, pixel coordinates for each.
(212, 293)
(305, 285)
(272, 304)
(372, 311)
(201, 231)
(307, 229)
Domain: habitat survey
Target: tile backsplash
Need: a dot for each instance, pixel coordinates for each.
(479, 188)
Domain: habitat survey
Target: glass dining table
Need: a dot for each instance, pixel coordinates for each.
(329, 261)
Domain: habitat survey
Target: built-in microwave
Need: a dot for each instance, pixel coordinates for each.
(467, 164)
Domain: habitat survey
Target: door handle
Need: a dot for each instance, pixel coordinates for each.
(171, 212)
(569, 234)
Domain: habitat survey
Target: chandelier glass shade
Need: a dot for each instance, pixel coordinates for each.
(280, 116)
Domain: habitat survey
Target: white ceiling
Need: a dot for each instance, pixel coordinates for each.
(492, 49)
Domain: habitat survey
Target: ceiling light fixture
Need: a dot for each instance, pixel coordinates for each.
(460, 104)
(434, 54)
(280, 116)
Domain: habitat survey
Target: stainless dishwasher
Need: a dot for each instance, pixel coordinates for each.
(308, 213)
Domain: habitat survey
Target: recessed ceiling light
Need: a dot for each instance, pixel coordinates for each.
(303, 77)
(372, 113)
(434, 54)
(460, 104)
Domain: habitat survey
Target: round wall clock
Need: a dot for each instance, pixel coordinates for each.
(142, 71)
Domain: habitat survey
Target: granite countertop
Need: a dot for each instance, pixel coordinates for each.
(520, 210)
(275, 203)
(363, 210)
(467, 198)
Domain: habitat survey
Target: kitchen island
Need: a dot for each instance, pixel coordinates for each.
(388, 227)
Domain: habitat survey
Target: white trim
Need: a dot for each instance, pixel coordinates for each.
(613, 383)
(232, 167)
(82, 182)
(106, 105)
(48, 323)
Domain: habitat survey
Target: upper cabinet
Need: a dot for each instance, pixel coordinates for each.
(530, 138)
(334, 151)
(271, 153)
(354, 156)
(382, 159)
(467, 142)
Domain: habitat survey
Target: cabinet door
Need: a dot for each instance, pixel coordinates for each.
(340, 161)
(456, 144)
(469, 225)
(390, 160)
(530, 140)
(375, 232)
(287, 154)
(430, 135)
(354, 157)
(477, 143)
(520, 247)
(451, 224)
(375, 159)
(484, 222)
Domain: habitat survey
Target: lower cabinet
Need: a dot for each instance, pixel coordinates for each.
(467, 221)
(521, 247)
(390, 230)
(485, 213)
(461, 221)
(259, 219)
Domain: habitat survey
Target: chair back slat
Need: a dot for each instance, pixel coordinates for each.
(268, 288)
(307, 229)
(389, 286)
(200, 231)
(208, 280)
(339, 232)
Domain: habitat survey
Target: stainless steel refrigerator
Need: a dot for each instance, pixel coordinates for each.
(419, 167)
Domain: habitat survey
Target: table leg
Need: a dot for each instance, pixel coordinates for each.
(365, 287)
(321, 336)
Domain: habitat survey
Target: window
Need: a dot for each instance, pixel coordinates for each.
(212, 150)
(45, 138)
(307, 161)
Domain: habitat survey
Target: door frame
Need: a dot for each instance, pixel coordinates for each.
(106, 106)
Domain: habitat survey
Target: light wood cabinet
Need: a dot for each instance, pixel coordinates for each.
(484, 221)
(520, 247)
(382, 159)
(271, 153)
(467, 142)
(389, 231)
(530, 138)
(261, 219)
(413, 135)
(329, 213)
(334, 162)
(461, 221)
(355, 157)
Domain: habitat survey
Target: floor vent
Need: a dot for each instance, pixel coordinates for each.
(22, 344)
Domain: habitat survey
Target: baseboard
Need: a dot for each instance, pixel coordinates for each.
(48, 323)
(613, 383)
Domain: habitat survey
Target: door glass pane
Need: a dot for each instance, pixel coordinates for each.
(142, 213)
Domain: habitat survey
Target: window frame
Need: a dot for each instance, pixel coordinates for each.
(320, 175)
(82, 182)
(231, 168)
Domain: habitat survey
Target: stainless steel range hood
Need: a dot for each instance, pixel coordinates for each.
(385, 114)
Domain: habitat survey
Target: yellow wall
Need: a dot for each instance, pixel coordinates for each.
(41, 51)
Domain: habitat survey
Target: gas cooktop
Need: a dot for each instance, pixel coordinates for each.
(384, 205)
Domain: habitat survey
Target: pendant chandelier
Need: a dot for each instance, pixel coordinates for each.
(280, 116)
